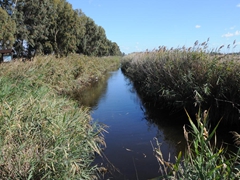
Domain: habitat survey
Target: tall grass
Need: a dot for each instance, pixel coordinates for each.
(43, 133)
(202, 159)
(65, 75)
(177, 78)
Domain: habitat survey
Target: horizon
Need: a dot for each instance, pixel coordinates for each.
(137, 25)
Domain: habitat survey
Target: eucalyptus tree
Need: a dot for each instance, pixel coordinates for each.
(114, 49)
(103, 48)
(48, 26)
(38, 23)
(51, 44)
(8, 28)
(65, 28)
(68, 31)
(94, 42)
(82, 42)
(90, 42)
(81, 22)
(32, 19)
(8, 5)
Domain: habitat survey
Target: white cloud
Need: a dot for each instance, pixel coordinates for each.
(233, 27)
(237, 33)
(228, 35)
(238, 5)
(197, 26)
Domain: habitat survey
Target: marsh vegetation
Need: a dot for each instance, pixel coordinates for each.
(188, 77)
(194, 79)
(44, 133)
(203, 159)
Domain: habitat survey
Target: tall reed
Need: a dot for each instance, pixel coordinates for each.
(183, 77)
(202, 159)
(43, 133)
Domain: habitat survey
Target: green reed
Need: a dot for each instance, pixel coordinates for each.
(183, 77)
(202, 159)
(44, 135)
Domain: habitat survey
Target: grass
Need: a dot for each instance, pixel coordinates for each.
(176, 78)
(65, 75)
(202, 159)
(44, 134)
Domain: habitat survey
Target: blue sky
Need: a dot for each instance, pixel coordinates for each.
(137, 25)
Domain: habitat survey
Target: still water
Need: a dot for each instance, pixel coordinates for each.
(131, 129)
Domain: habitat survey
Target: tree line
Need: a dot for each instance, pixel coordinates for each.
(51, 26)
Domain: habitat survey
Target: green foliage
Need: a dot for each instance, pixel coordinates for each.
(47, 48)
(94, 41)
(52, 26)
(7, 5)
(65, 75)
(202, 159)
(89, 40)
(64, 28)
(178, 78)
(44, 135)
(8, 28)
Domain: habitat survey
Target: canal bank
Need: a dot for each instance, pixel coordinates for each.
(131, 130)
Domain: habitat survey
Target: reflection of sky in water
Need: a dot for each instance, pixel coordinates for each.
(129, 133)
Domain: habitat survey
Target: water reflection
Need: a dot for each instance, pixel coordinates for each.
(169, 127)
(91, 96)
(132, 128)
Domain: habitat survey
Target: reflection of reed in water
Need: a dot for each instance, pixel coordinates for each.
(169, 129)
(169, 126)
(202, 159)
(90, 96)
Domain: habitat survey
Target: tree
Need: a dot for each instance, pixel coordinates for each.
(8, 6)
(48, 26)
(65, 29)
(68, 30)
(8, 28)
(89, 40)
(114, 49)
(81, 22)
(21, 31)
(103, 48)
(32, 18)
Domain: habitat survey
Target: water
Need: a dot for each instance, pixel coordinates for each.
(131, 130)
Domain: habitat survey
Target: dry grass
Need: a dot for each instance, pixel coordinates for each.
(67, 74)
(44, 135)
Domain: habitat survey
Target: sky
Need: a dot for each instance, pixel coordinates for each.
(138, 25)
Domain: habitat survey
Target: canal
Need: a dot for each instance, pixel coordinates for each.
(131, 130)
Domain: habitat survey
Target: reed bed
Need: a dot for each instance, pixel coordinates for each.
(188, 77)
(65, 75)
(202, 159)
(44, 134)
